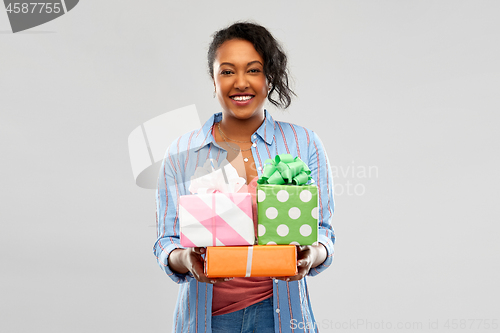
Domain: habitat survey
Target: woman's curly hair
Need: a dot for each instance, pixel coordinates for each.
(275, 61)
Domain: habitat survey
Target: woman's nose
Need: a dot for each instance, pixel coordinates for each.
(240, 82)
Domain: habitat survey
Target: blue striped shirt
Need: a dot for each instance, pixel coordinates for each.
(193, 311)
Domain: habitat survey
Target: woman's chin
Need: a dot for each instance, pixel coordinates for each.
(246, 114)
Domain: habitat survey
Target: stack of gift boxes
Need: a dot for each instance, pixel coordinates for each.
(287, 215)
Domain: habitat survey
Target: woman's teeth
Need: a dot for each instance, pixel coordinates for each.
(241, 98)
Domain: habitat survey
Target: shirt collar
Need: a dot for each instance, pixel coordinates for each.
(265, 131)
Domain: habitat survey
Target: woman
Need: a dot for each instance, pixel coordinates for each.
(247, 66)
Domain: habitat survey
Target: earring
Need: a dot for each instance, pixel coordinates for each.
(214, 93)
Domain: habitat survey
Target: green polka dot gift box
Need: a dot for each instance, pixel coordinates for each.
(287, 214)
(287, 206)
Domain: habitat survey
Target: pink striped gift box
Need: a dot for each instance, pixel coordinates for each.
(216, 219)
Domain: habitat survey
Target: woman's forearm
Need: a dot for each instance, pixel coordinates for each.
(176, 261)
(320, 255)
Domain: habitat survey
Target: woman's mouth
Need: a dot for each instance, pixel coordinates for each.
(241, 98)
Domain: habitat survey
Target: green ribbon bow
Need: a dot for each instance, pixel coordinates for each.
(284, 169)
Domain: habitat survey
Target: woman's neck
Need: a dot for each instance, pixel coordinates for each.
(240, 129)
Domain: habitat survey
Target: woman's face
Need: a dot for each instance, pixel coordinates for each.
(239, 80)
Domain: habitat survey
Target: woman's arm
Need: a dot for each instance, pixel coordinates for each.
(322, 175)
(167, 225)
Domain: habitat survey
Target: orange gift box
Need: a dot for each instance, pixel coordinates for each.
(245, 261)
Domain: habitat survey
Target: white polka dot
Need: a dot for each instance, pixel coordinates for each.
(282, 230)
(314, 213)
(262, 230)
(305, 195)
(294, 213)
(305, 230)
(294, 243)
(261, 195)
(271, 243)
(315, 243)
(271, 213)
(282, 196)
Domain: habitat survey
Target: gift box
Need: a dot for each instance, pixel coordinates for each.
(246, 261)
(287, 214)
(287, 207)
(220, 214)
(217, 219)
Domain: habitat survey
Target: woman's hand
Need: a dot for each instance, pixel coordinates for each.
(309, 256)
(190, 260)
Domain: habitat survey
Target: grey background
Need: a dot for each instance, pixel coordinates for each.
(407, 87)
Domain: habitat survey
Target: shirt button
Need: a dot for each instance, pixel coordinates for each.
(259, 168)
(254, 145)
(255, 136)
(277, 310)
(275, 280)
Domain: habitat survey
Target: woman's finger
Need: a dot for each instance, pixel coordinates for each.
(199, 250)
(199, 273)
(302, 272)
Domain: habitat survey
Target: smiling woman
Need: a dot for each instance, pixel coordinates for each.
(241, 87)
(248, 67)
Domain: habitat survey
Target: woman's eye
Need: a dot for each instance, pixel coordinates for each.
(254, 70)
(226, 72)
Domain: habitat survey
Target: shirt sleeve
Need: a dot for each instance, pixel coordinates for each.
(167, 217)
(322, 175)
